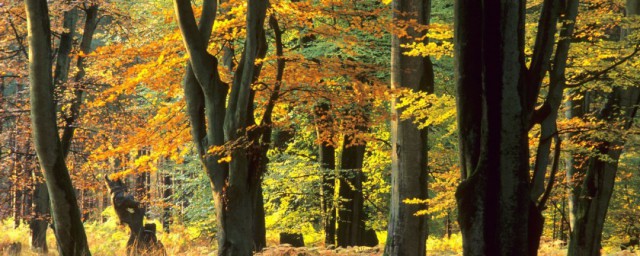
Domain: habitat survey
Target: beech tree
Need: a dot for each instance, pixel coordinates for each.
(70, 116)
(236, 183)
(407, 233)
(497, 97)
(68, 228)
(589, 197)
(498, 104)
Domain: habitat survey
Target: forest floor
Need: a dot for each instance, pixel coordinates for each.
(108, 239)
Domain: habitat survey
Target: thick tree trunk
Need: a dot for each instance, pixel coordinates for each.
(236, 185)
(259, 224)
(41, 195)
(407, 233)
(350, 213)
(493, 200)
(69, 231)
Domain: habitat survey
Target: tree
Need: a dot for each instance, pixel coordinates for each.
(235, 184)
(497, 97)
(408, 233)
(60, 78)
(590, 197)
(68, 227)
(327, 159)
(493, 201)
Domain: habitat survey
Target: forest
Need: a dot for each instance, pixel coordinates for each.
(319, 127)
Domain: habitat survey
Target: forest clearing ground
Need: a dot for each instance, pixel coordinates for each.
(108, 239)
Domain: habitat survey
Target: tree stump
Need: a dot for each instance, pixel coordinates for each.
(142, 237)
(294, 239)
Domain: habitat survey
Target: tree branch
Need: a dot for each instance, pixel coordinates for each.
(552, 175)
(598, 74)
(545, 39)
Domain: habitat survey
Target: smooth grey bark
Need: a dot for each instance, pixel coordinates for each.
(60, 76)
(90, 25)
(262, 136)
(65, 45)
(553, 100)
(69, 231)
(407, 233)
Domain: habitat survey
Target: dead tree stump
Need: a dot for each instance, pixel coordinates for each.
(142, 237)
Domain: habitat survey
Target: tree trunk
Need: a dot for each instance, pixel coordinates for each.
(493, 199)
(593, 195)
(327, 159)
(548, 127)
(18, 183)
(589, 201)
(575, 109)
(328, 165)
(235, 185)
(407, 233)
(259, 225)
(69, 231)
(39, 223)
(350, 212)
(166, 198)
(592, 206)
(41, 195)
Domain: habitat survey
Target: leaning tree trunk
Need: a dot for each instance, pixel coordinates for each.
(548, 127)
(68, 229)
(493, 200)
(61, 75)
(407, 232)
